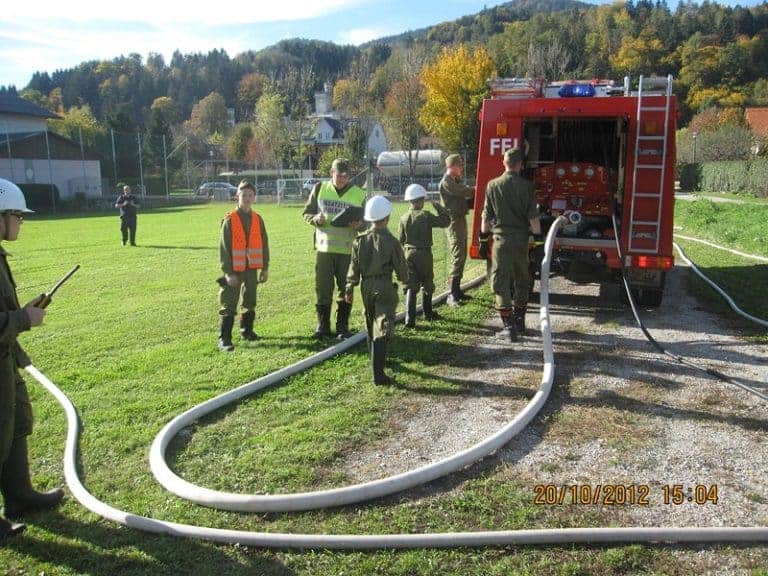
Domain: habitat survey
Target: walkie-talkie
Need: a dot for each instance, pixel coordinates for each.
(45, 299)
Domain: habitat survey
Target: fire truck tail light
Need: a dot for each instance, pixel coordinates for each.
(659, 262)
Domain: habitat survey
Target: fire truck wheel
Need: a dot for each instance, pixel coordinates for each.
(650, 297)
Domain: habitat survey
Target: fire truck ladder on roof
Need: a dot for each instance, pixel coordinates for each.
(649, 171)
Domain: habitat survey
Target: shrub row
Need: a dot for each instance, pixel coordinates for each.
(737, 177)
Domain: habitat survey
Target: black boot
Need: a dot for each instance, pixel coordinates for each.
(508, 332)
(426, 301)
(323, 329)
(343, 310)
(410, 308)
(225, 333)
(246, 326)
(16, 485)
(378, 359)
(454, 298)
(8, 529)
(519, 317)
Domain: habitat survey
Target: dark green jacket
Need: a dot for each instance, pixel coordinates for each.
(454, 195)
(415, 229)
(13, 321)
(376, 254)
(510, 203)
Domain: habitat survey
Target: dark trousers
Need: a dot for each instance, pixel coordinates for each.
(128, 227)
(509, 269)
(330, 272)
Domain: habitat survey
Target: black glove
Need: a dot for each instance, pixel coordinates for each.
(222, 281)
(483, 249)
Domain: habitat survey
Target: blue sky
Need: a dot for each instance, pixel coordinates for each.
(46, 35)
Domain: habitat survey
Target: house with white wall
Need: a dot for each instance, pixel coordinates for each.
(30, 154)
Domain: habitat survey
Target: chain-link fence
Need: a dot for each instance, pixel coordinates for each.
(88, 170)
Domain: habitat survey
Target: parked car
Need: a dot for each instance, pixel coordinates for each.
(309, 183)
(217, 190)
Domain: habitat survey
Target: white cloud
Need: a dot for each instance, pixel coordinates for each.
(226, 12)
(359, 36)
(47, 47)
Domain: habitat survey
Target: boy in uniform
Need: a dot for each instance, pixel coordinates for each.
(376, 253)
(244, 255)
(415, 233)
(15, 408)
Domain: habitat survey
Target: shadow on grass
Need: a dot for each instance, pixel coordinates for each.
(107, 213)
(101, 549)
(158, 247)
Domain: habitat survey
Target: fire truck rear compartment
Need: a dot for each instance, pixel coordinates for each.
(576, 167)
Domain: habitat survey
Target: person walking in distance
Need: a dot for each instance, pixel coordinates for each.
(333, 244)
(376, 254)
(244, 255)
(415, 234)
(127, 203)
(510, 214)
(19, 497)
(455, 196)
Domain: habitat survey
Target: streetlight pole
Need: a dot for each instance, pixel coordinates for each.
(695, 135)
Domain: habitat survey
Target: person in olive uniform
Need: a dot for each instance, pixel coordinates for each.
(376, 254)
(455, 196)
(127, 203)
(244, 255)
(510, 213)
(333, 244)
(19, 497)
(415, 233)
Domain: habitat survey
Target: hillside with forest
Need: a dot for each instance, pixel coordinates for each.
(718, 55)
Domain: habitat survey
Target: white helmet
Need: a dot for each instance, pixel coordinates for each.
(11, 197)
(414, 192)
(377, 208)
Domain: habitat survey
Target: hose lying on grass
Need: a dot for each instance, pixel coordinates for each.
(370, 489)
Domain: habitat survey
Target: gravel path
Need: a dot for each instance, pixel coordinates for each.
(619, 413)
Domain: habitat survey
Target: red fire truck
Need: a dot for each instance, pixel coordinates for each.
(592, 149)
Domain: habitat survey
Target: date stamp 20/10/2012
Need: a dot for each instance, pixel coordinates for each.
(624, 494)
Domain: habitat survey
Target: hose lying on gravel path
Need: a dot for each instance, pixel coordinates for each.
(677, 358)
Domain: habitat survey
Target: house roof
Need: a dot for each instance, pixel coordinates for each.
(757, 119)
(11, 104)
(33, 145)
(336, 126)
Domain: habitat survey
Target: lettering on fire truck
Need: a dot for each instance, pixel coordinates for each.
(501, 145)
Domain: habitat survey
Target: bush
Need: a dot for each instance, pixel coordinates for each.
(758, 177)
(690, 177)
(724, 177)
(41, 197)
(749, 177)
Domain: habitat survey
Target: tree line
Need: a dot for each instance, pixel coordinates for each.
(422, 84)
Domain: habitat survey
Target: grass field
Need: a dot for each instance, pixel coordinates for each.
(131, 339)
(737, 226)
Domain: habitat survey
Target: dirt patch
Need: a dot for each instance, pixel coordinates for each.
(619, 414)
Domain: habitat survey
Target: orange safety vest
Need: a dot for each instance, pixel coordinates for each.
(252, 251)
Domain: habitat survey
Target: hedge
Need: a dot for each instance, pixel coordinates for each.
(737, 177)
